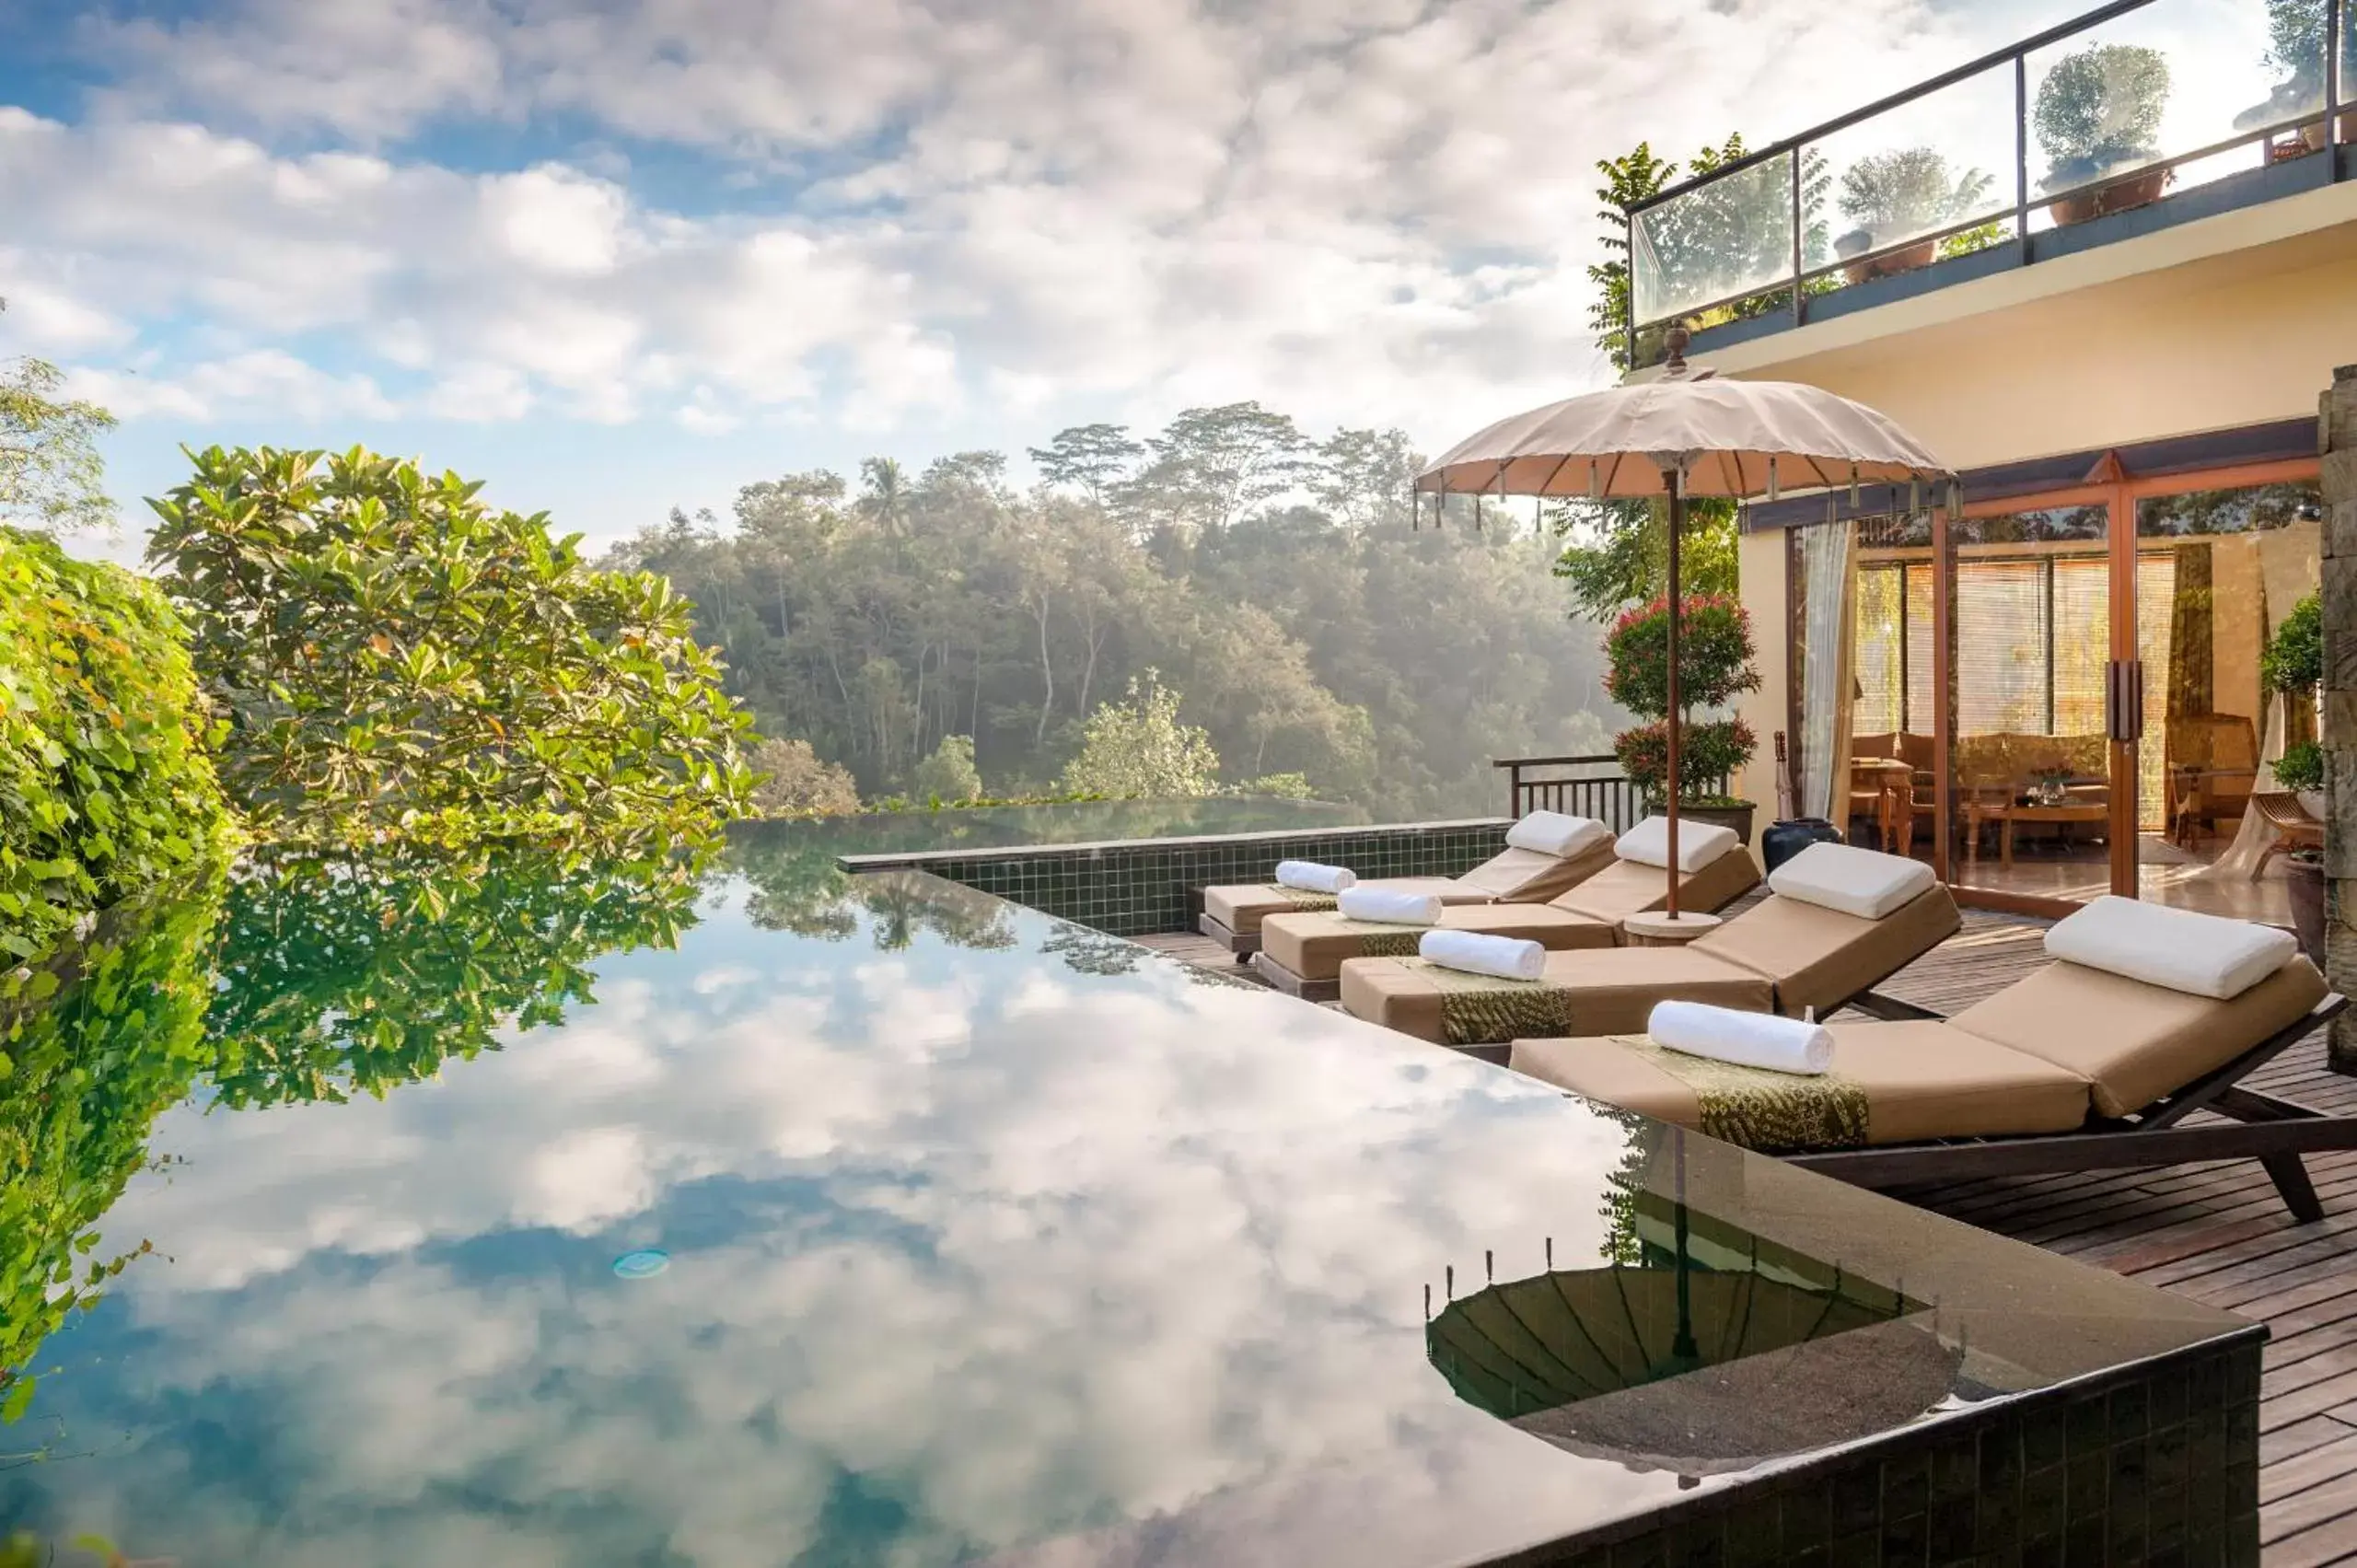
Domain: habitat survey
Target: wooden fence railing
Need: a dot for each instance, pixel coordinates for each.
(1578, 787)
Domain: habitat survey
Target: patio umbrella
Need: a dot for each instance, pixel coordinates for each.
(1685, 436)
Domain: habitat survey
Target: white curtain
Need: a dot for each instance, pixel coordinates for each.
(2240, 862)
(1827, 677)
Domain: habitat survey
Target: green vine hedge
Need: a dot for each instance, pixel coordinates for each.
(106, 786)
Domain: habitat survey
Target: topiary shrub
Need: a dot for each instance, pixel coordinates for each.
(1714, 651)
(106, 789)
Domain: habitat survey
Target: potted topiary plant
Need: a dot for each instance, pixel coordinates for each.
(1892, 195)
(2296, 39)
(1714, 652)
(2099, 109)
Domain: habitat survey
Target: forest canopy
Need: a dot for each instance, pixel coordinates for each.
(1277, 583)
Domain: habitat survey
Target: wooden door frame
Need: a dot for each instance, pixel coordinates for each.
(2111, 486)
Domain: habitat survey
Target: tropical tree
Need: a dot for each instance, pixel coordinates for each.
(52, 477)
(948, 774)
(1087, 456)
(1137, 748)
(397, 660)
(791, 780)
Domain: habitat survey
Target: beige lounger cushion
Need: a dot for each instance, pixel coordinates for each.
(1821, 957)
(1242, 906)
(1616, 989)
(1921, 1081)
(1528, 876)
(1313, 946)
(1628, 886)
(2136, 1042)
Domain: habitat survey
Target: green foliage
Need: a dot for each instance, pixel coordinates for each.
(2293, 662)
(948, 775)
(348, 972)
(1311, 634)
(1092, 458)
(1714, 652)
(1907, 190)
(119, 1038)
(398, 659)
(105, 787)
(793, 781)
(52, 478)
(1138, 749)
(1619, 551)
(2100, 107)
(1281, 786)
(2300, 767)
(1634, 177)
(1708, 751)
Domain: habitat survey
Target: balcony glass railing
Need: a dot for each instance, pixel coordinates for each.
(2130, 102)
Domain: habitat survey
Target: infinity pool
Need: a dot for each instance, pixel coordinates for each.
(891, 1224)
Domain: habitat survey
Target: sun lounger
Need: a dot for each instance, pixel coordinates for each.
(1785, 955)
(2073, 1068)
(1301, 953)
(1233, 913)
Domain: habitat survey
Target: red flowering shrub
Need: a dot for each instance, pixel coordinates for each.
(1714, 651)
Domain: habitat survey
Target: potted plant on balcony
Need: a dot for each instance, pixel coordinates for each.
(2099, 109)
(1714, 654)
(2295, 37)
(2301, 771)
(1892, 195)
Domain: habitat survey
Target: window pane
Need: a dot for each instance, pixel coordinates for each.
(2000, 643)
(1880, 652)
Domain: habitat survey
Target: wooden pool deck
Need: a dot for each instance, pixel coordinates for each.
(2217, 1233)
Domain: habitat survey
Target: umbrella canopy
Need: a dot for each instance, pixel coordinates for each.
(1683, 435)
(1735, 438)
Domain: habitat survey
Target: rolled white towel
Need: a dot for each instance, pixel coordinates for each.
(1553, 832)
(1308, 876)
(1390, 906)
(1748, 1039)
(1505, 957)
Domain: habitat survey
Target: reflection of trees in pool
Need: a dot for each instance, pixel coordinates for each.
(1091, 951)
(119, 1040)
(344, 973)
(796, 887)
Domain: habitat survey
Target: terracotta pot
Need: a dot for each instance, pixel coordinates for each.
(1738, 817)
(2136, 191)
(2076, 208)
(1890, 265)
(2305, 880)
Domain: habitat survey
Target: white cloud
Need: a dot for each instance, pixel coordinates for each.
(1359, 212)
(261, 380)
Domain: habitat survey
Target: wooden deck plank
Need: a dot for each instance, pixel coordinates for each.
(2217, 1232)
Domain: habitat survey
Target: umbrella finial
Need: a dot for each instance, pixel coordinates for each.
(1675, 341)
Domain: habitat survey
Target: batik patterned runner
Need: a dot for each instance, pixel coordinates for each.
(1304, 899)
(1481, 1009)
(1761, 1109)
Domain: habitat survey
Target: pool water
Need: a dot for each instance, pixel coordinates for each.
(507, 1212)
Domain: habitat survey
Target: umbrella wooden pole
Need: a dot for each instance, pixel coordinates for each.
(1676, 526)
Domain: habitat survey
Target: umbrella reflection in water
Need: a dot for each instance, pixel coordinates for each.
(1695, 1352)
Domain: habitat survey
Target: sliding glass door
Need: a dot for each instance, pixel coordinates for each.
(2072, 694)
(2039, 791)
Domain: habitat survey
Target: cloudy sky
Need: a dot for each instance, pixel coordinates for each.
(614, 254)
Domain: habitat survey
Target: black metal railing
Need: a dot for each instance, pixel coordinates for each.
(1752, 236)
(1575, 786)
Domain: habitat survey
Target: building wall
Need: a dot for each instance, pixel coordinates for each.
(2228, 340)
(2237, 338)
